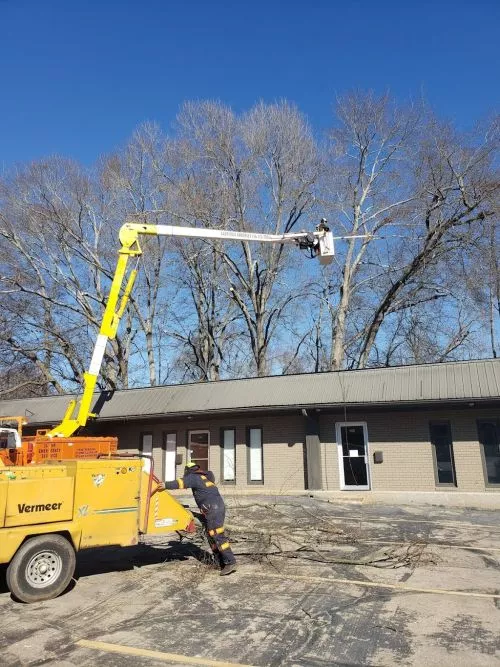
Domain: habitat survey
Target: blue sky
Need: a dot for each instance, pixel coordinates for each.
(77, 76)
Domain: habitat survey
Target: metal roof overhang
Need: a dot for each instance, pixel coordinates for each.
(383, 406)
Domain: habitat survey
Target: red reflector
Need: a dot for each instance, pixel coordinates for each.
(191, 528)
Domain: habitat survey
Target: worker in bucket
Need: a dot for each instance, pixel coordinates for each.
(211, 504)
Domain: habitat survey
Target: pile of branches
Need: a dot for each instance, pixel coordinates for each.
(265, 532)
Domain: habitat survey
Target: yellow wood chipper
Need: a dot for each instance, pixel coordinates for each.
(50, 511)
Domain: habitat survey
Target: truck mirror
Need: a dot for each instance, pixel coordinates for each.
(9, 439)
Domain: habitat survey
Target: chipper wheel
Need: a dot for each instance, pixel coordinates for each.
(41, 569)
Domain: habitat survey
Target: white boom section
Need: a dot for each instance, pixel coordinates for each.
(323, 238)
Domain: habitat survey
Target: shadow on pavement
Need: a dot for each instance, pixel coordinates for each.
(103, 560)
(119, 559)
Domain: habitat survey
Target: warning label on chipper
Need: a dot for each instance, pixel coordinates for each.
(163, 523)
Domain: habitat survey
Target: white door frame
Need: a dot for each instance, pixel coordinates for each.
(340, 454)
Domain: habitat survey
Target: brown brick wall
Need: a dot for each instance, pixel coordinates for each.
(283, 447)
(404, 439)
(402, 436)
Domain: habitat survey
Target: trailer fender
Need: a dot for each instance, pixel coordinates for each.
(12, 538)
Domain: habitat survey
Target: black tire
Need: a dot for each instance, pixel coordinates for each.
(41, 569)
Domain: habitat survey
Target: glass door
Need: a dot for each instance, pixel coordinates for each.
(198, 445)
(352, 445)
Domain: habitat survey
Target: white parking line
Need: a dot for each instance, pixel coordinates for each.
(376, 584)
(156, 655)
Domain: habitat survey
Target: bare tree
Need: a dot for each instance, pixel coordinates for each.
(493, 263)
(20, 378)
(477, 272)
(55, 273)
(418, 192)
(206, 337)
(454, 192)
(264, 166)
(422, 284)
(367, 193)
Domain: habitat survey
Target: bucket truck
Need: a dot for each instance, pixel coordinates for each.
(60, 492)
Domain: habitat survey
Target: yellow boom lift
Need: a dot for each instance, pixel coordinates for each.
(319, 242)
(60, 492)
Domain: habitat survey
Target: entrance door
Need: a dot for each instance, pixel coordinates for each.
(352, 444)
(198, 444)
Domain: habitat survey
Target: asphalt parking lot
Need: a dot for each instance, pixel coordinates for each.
(386, 586)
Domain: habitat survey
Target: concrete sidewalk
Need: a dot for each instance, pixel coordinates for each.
(484, 500)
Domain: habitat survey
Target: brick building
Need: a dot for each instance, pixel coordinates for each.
(412, 428)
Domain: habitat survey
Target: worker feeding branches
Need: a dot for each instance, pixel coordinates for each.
(213, 509)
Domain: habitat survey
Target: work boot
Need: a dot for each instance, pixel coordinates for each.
(228, 569)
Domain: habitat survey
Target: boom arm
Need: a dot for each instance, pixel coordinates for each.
(320, 242)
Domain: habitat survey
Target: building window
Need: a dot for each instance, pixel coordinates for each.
(170, 451)
(489, 437)
(255, 456)
(442, 452)
(198, 448)
(146, 447)
(229, 455)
